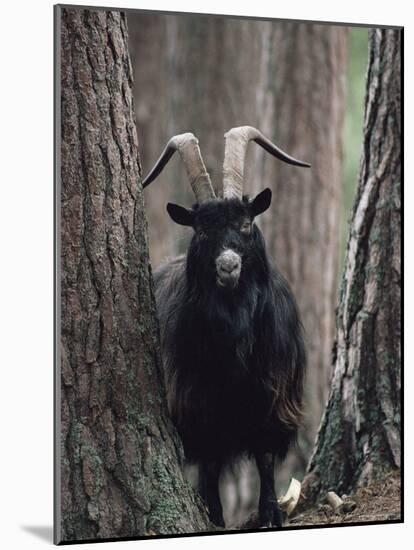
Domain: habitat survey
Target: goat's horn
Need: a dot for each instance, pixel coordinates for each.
(236, 141)
(187, 146)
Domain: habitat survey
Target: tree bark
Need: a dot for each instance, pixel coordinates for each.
(119, 472)
(359, 438)
(302, 106)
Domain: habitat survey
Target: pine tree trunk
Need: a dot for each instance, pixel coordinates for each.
(359, 438)
(119, 468)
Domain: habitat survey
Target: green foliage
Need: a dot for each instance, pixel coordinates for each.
(353, 129)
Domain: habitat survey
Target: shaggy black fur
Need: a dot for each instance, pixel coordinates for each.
(234, 358)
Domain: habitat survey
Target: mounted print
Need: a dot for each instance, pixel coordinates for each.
(228, 274)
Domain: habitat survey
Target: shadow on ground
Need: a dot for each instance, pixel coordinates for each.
(44, 532)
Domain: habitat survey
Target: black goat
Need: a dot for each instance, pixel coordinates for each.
(232, 342)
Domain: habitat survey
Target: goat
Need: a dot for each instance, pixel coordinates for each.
(231, 336)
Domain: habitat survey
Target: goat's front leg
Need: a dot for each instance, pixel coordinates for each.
(269, 511)
(209, 475)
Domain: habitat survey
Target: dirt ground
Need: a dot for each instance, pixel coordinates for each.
(380, 501)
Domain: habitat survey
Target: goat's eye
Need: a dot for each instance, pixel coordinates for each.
(201, 234)
(246, 228)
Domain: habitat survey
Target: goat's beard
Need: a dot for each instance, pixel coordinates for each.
(230, 282)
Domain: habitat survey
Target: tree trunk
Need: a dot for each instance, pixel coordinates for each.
(119, 467)
(359, 438)
(302, 106)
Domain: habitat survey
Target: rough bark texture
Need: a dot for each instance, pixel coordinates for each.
(359, 438)
(302, 106)
(120, 464)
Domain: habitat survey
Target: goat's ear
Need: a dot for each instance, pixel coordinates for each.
(261, 202)
(180, 215)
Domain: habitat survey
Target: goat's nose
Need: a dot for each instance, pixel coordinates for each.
(229, 266)
(228, 261)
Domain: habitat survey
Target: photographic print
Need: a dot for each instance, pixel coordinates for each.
(228, 274)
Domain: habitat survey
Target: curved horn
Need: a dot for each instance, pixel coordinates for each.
(236, 142)
(187, 146)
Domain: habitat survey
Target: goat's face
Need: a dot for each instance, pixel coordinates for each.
(223, 241)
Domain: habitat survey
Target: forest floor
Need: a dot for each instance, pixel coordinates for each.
(379, 501)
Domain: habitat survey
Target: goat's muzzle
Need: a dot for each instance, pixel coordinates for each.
(228, 268)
